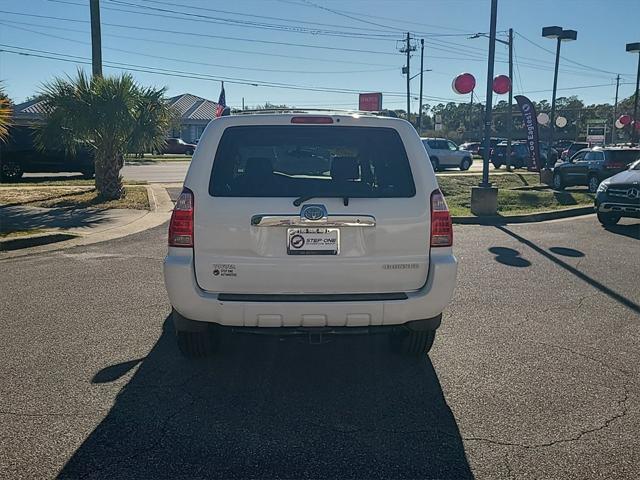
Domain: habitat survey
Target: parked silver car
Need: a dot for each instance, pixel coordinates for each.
(444, 153)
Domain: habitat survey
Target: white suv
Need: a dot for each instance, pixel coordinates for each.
(309, 224)
(444, 153)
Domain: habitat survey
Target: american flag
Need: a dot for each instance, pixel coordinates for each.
(222, 102)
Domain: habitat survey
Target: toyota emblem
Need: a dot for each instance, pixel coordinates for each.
(313, 212)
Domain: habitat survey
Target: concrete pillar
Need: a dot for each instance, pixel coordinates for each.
(484, 201)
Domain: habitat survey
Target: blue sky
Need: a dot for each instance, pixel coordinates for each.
(229, 39)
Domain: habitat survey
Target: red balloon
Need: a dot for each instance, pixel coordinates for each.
(464, 83)
(501, 84)
(625, 119)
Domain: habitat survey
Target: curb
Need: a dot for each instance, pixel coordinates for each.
(533, 217)
(159, 202)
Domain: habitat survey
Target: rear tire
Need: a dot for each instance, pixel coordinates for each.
(195, 339)
(10, 172)
(88, 174)
(412, 343)
(608, 219)
(593, 184)
(465, 164)
(557, 181)
(497, 165)
(189, 152)
(435, 163)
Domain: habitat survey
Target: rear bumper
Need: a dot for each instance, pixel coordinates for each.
(196, 304)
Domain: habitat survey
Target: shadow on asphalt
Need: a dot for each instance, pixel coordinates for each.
(631, 231)
(567, 252)
(582, 276)
(271, 408)
(509, 256)
(18, 217)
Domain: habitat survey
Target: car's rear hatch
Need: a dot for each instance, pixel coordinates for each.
(304, 208)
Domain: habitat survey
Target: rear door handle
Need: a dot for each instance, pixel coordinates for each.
(266, 220)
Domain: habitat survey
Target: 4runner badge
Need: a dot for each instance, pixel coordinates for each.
(313, 212)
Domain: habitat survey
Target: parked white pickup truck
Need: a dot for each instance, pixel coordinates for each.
(310, 224)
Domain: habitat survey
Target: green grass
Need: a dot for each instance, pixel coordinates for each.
(514, 198)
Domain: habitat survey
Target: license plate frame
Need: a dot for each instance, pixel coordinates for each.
(318, 237)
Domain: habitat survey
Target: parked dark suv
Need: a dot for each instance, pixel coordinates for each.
(19, 155)
(178, 146)
(520, 157)
(591, 166)
(619, 196)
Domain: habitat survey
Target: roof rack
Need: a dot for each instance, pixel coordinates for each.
(311, 110)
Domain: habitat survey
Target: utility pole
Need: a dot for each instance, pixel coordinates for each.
(615, 111)
(471, 112)
(408, 48)
(96, 38)
(421, 75)
(510, 114)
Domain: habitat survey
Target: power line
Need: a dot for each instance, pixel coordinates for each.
(206, 35)
(388, 19)
(298, 21)
(588, 67)
(194, 45)
(202, 18)
(200, 63)
(30, 52)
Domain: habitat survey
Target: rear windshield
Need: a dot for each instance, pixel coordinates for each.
(301, 160)
(622, 156)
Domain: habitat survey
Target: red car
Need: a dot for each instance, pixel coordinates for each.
(178, 146)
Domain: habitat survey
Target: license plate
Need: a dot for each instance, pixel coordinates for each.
(313, 241)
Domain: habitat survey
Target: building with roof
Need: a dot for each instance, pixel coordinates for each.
(194, 113)
(29, 112)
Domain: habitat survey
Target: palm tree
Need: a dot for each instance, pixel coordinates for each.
(5, 115)
(110, 115)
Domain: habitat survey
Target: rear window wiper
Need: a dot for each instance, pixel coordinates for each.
(300, 200)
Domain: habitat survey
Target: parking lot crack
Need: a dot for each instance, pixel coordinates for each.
(622, 405)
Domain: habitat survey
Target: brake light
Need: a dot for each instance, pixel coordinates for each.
(441, 225)
(181, 224)
(614, 165)
(313, 120)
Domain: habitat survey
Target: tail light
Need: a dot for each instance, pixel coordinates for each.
(441, 226)
(313, 120)
(181, 224)
(614, 165)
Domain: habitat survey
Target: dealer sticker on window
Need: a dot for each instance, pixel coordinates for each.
(313, 241)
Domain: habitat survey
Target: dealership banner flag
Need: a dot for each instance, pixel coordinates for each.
(530, 119)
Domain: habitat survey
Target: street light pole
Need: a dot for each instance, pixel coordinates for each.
(552, 117)
(489, 98)
(635, 48)
(560, 35)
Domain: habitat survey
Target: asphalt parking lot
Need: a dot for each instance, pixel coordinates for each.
(534, 373)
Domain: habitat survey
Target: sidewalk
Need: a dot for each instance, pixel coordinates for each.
(80, 226)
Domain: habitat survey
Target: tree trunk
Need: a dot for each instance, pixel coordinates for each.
(108, 180)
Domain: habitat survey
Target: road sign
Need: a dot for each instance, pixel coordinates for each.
(370, 102)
